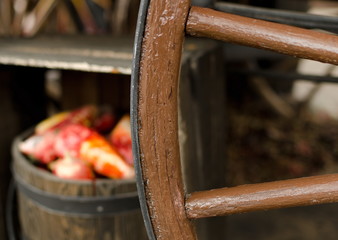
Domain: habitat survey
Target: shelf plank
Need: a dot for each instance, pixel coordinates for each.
(90, 54)
(100, 54)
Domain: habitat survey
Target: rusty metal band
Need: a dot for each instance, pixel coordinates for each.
(140, 28)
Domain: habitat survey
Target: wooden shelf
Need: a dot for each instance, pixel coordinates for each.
(90, 54)
(103, 54)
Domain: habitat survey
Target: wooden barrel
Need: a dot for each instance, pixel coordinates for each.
(57, 209)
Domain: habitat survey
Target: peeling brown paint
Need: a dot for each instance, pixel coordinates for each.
(157, 115)
(158, 120)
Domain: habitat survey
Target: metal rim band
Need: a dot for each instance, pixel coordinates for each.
(79, 205)
(141, 22)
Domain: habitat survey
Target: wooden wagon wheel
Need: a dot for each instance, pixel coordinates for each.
(167, 209)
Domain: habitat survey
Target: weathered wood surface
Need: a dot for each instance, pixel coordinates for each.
(89, 54)
(80, 88)
(280, 38)
(158, 118)
(263, 196)
(40, 223)
(98, 54)
(157, 109)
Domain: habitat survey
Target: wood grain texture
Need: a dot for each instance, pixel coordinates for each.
(280, 38)
(100, 54)
(79, 88)
(263, 196)
(158, 119)
(39, 222)
(5, 16)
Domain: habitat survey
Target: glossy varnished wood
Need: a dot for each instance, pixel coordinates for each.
(263, 196)
(158, 118)
(280, 38)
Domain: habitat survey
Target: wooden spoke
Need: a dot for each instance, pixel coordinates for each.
(154, 111)
(302, 43)
(263, 196)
